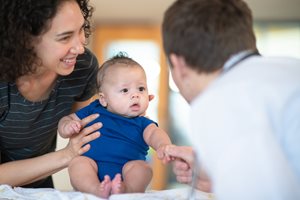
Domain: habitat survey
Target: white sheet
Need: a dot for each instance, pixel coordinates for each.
(18, 193)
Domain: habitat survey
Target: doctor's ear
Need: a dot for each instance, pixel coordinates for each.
(178, 64)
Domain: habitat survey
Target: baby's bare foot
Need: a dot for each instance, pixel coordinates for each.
(105, 187)
(117, 185)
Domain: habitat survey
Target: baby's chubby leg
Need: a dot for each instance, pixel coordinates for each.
(83, 173)
(137, 175)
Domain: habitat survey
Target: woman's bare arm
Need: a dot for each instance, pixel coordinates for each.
(18, 173)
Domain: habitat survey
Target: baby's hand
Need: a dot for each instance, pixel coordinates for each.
(71, 127)
(163, 155)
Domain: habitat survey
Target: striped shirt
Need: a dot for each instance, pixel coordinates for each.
(29, 129)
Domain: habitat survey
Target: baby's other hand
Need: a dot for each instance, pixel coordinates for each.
(72, 127)
(163, 155)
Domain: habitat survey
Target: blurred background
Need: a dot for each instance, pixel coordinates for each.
(133, 26)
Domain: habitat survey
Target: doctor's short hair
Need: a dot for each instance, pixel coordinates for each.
(207, 32)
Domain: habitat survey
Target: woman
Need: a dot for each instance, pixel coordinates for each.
(45, 72)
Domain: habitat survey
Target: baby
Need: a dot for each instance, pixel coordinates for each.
(116, 162)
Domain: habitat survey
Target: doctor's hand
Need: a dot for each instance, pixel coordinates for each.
(183, 166)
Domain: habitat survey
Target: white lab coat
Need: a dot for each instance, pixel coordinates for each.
(246, 130)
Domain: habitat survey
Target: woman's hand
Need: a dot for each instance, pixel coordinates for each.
(40, 167)
(78, 142)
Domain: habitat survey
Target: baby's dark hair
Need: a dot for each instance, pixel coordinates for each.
(22, 21)
(120, 58)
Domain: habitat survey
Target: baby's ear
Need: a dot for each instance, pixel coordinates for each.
(102, 99)
(151, 97)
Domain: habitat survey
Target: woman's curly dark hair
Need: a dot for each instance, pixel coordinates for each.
(22, 21)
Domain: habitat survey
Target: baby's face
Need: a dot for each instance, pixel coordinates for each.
(125, 90)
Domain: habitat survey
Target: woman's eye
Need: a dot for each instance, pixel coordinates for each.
(65, 38)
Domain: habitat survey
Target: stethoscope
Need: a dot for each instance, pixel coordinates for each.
(236, 59)
(231, 63)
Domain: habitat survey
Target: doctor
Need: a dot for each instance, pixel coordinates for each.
(245, 112)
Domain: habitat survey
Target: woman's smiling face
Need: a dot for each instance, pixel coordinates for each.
(58, 48)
